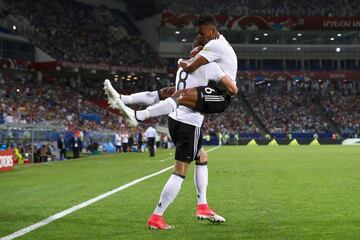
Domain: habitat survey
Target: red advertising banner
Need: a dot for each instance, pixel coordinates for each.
(280, 23)
(6, 160)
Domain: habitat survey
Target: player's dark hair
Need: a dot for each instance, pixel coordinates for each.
(205, 19)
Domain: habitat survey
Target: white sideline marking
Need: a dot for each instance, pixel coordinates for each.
(212, 149)
(62, 214)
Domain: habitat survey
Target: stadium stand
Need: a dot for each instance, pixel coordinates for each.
(266, 7)
(71, 31)
(60, 102)
(23, 100)
(344, 110)
(287, 112)
(233, 120)
(76, 32)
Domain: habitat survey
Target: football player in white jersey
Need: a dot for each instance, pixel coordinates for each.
(217, 48)
(185, 129)
(216, 100)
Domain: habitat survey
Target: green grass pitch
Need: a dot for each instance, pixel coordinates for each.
(303, 192)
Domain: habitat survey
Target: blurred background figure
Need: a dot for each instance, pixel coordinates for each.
(118, 141)
(76, 146)
(139, 137)
(18, 155)
(124, 141)
(151, 135)
(62, 147)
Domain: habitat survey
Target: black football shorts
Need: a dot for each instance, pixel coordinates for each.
(211, 99)
(187, 139)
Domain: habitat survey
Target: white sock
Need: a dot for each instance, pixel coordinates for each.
(161, 108)
(169, 193)
(141, 98)
(201, 182)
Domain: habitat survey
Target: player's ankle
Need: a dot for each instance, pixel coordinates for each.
(202, 205)
(142, 115)
(127, 99)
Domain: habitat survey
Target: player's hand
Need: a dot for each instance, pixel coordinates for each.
(203, 155)
(180, 60)
(183, 63)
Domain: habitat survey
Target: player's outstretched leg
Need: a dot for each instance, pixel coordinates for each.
(203, 211)
(187, 97)
(111, 93)
(162, 108)
(115, 102)
(133, 117)
(146, 98)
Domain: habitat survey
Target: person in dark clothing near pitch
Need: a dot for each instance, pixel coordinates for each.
(151, 135)
(139, 138)
(62, 147)
(76, 146)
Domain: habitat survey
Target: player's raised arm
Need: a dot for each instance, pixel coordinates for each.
(191, 66)
(195, 62)
(229, 85)
(221, 78)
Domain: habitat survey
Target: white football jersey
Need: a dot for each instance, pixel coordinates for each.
(220, 51)
(198, 78)
(150, 132)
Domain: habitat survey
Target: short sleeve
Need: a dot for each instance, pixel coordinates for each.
(214, 72)
(212, 51)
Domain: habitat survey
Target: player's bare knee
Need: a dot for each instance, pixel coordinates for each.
(178, 95)
(166, 92)
(181, 168)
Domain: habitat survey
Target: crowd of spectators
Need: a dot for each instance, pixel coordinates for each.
(266, 7)
(233, 120)
(24, 100)
(287, 111)
(344, 110)
(76, 32)
(62, 102)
